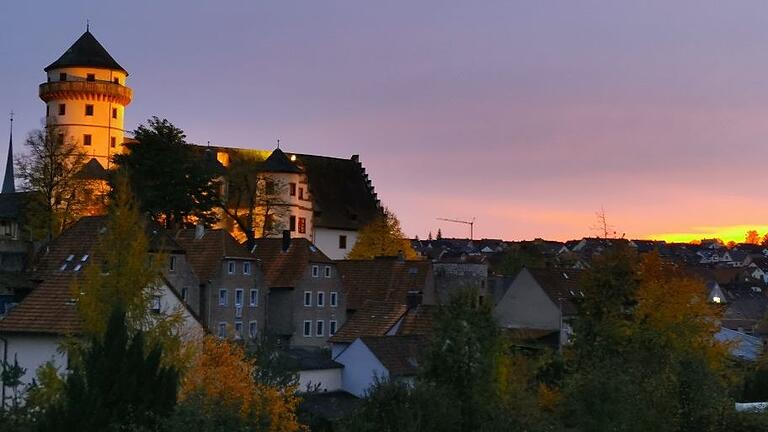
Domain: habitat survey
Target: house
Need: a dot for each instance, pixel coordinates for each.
(369, 358)
(306, 300)
(317, 371)
(540, 299)
(458, 274)
(33, 330)
(231, 286)
(387, 279)
(742, 345)
(745, 309)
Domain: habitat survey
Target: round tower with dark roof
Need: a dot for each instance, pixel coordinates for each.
(85, 96)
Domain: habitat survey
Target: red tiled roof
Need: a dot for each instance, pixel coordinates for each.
(418, 321)
(373, 319)
(283, 269)
(78, 240)
(561, 286)
(382, 279)
(399, 354)
(47, 309)
(206, 253)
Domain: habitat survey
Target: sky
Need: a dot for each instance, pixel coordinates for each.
(528, 116)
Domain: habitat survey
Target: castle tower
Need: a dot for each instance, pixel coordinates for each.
(85, 95)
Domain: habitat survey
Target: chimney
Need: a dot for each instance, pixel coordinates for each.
(286, 240)
(199, 231)
(413, 299)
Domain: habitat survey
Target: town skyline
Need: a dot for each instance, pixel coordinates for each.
(444, 129)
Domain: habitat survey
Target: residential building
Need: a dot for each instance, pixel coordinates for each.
(306, 302)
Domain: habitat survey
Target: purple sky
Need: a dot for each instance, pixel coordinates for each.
(527, 115)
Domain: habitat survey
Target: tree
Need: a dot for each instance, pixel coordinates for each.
(602, 226)
(764, 241)
(50, 169)
(752, 237)
(222, 377)
(255, 201)
(117, 386)
(382, 237)
(731, 244)
(439, 234)
(173, 181)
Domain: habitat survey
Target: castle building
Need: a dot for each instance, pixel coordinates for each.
(85, 95)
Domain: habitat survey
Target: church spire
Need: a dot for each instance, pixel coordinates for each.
(9, 186)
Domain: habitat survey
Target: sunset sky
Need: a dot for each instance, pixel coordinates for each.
(527, 115)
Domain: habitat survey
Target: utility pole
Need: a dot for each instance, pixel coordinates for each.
(471, 224)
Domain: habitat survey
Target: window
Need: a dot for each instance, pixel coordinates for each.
(90, 77)
(292, 188)
(315, 271)
(319, 327)
(253, 328)
(155, 304)
(334, 299)
(222, 297)
(302, 225)
(292, 223)
(172, 264)
(331, 327)
(231, 267)
(239, 297)
(61, 138)
(62, 109)
(238, 329)
(47, 110)
(307, 298)
(222, 333)
(301, 193)
(89, 110)
(112, 142)
(254, 297)
(320, 299)
(184, 293)
(87, 139)
(116, 80)
(327, 271)
(62, 76)
(246, 268)
(342, 242)
(307, 328)
(114, 113)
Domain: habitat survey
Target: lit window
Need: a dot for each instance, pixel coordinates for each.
(222, 333)
(254, 297)
(302, 225)
(320, 299)
(231, 267)
(222, 297)
(253, 328)
(327, 271)
(89, 110)
(342, 242)
(315, 271)
(319, 327)
(307, 328)
(307, 298)
(87, 139)
(238, 297)
(172, 264)
(331, 327)
(334, 299)
(238, 329)
(716, 299)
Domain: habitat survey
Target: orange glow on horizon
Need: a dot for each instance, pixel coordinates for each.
(734, 233)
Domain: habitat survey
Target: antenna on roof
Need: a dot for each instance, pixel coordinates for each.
(209, 143)
(87, 25)
(278, 143)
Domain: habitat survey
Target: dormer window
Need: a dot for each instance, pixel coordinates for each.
(90, 77)
(84, 258)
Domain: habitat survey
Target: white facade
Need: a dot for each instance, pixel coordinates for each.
(330, 241)
(361, 368)
(32, 351)
(326, 380)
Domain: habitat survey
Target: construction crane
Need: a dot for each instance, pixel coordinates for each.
(470, 223)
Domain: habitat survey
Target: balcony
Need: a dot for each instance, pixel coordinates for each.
(86, 90)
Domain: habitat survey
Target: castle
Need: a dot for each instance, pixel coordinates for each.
(324, 199)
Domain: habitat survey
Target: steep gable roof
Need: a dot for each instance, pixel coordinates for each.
(278, 162)
(75, 245)
(561, 286)
(88, 52)
(283, 269)
(48, 309)
(382, 279)
(399, 354)
(375, 318)
(206, 253)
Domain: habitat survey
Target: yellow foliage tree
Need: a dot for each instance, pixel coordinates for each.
(382, 237)
(752, 237)
(222, 374)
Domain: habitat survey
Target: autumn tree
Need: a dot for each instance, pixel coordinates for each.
(221, 379)
(752, 237)
(174, 182)
(764, 240)
(382, 237)
(119, 384)
(50, 169)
